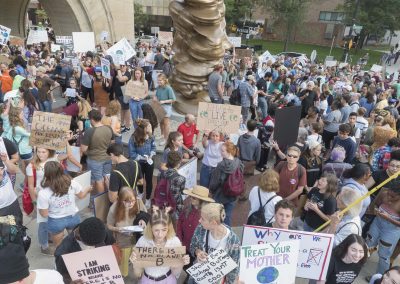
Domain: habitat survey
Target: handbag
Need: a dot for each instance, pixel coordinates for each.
(124, 97)
(27, 203)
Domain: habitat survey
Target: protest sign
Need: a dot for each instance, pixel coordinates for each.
(4, 34)
(343, 64)
(121, 50)
(49, 130)
(101, 205)
(15, 40)
(3, 148)
(76, 153)
(376, 68)
(83, 41)
(64, 40)
(236, 41)
(37, 37)
(97, 265)
(330, 63)
(218, 265)
(136, 89)
(242, 53)
(105, 68)
(315, 248)
(158, 110)
(84, 181)
(286, 133)
(189, 171)
(221, 117)
(269, 263)
(165, 37)
(159, 256)
(5, 59)
(55, 47)
(69, 51)
(104, 36)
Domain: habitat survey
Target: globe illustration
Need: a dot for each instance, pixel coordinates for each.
(267, 275)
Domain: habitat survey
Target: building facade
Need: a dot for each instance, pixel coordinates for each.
(158, 12)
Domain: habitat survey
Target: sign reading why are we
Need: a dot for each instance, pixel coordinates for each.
(218, 265)
(314, 251)
(221, 117)
(156, 256)
(97, 265)
(269, 263)
(49, 130)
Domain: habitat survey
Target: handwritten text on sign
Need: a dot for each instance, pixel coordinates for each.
(136, 89)
(97, 265)
(270, 263)
(225, 118)
(315, 248)
(155, 256)
(218, 265)
(49, 130)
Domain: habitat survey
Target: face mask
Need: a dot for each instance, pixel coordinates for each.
(83, 246)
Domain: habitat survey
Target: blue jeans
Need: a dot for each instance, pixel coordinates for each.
(262, 104)
(58, 225)
(45, 106)
(205, 174)
(43, 235)
(386, 235)
(136, 109)
(228, 210)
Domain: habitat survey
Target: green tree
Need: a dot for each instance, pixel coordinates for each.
(238, 9)
(141, 18)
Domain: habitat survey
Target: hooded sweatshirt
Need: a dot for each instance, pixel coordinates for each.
(249, 147)
(220, 175)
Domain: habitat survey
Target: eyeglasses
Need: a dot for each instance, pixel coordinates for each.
(129, 201)
(292, 156)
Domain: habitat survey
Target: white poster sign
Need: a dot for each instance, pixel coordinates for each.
(264, 58)
(330, 63)
(3, 147)
(121, 49)
(218, 265)
(37, 37)
(4, 34)
(104, 36)
(84, 181)
(83, 41)
(236, 41)
(64, 39)
(315, 248)
(55, 47)
(189, 171)
(269, 263)
(165, 37)
(105, 68)
(376, 68)
(74, 150)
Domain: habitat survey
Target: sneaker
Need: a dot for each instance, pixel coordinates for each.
(126, 129)
(47, 251)
(148, 203)
(162, 142)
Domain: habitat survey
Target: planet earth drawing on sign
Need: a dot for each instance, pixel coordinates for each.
(268, 275)
(105, 69)
(119, 52)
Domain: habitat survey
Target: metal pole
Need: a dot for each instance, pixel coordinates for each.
(333, 40)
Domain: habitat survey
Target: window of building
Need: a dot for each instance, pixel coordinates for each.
(148, 10)
(330, 16)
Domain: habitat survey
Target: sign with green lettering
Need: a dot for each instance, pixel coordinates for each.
(220, 117)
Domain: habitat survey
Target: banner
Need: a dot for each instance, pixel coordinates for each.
(4, 34)
(315, 248)
(189, 171)
(221, 117)
(218, 265)
(159, 256)
(269, 263)
(105, 68)
(83, 41)
(37, 37)
(49, 130)
(236, 41)
(165, 37)
(136, 89)
(64, 40)
(121, 49)
(97, 265)
(84, 181)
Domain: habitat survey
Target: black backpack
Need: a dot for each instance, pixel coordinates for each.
(257, 218)
(234, 99)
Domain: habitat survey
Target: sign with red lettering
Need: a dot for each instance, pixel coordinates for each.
(49, 130)
(157, 256)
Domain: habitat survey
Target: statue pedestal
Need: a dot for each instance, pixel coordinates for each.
(183, 105)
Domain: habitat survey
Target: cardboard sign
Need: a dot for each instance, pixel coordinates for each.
(4, 34)
(76, 153)
(189, 171)
(121, 49)
(376, 68)
(55, 47)
(218, 265)
(136, 89)
(97, 265)
(315, 248)
(64, 40)
(101, 206)
(236, 41)
(37, 37)
(84, 181)
(156, 256)
(165, 37)
(221, 117)
(269, 263)
(286, 128)
(158, 109)
(83, 41)
(105, 68)
(242, 53)
(49, 130)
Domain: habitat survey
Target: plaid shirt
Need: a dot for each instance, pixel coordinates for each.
(176, 186)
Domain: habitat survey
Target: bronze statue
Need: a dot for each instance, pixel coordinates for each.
(200, 42)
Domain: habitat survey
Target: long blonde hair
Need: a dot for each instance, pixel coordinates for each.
(84, 108)
(14, 118)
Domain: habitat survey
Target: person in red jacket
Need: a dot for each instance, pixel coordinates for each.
(188, 129)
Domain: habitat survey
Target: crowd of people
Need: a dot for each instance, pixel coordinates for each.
(347, 144)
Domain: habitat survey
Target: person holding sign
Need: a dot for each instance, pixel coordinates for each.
(135, 103)
(212, 234)
(158, 233)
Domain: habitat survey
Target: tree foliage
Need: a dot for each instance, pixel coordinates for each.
(141, 18)
(238, 9)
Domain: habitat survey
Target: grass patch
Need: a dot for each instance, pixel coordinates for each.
(275, 47)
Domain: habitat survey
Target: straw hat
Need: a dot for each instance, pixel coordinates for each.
(199, 192)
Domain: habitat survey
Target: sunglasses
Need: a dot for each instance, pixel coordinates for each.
(292, 156)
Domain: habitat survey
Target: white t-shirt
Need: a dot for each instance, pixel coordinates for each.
(212, 154)
(48, 276)
(214, 244)
(314, 137)
(59, 206)
(269, 209)
(7, 194)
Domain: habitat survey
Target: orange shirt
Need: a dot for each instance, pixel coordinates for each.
(6, 82)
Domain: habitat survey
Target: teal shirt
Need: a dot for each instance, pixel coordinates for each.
(17, 82)
(165, 93)
(21, 136)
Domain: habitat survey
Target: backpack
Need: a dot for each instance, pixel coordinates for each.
(162, 194)
(234, 184)
(257, 218)
(234, 99)
(133, 187)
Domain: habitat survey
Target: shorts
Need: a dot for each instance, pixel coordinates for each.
(57, 225)
(99, 169)
(124, 106)
(26, 157)
(168, 110)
